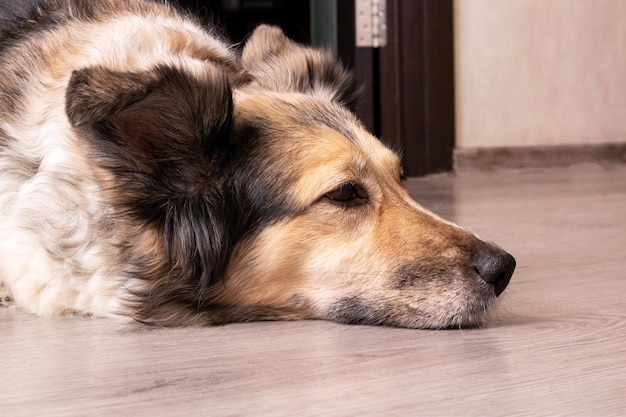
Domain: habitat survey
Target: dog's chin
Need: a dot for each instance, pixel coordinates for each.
(466, 315)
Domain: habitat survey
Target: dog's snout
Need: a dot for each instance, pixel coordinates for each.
(495, 268)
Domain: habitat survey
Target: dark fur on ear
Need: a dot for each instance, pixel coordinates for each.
(279, 64)
(159, 133)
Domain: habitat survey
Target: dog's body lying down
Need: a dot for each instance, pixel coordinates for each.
(149, 170)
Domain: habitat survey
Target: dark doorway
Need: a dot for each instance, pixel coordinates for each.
(407, 86)
(238, 18)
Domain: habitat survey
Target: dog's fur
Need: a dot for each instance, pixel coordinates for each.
(150, 170)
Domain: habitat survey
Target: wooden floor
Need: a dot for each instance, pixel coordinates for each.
(556, 345)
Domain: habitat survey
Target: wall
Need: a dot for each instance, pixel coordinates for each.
(540, 72)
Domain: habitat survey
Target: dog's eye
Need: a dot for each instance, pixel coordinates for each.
(348, 194)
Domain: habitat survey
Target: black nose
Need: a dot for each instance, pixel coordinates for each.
(495, 268)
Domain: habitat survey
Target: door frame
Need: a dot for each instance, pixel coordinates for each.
(408, 85)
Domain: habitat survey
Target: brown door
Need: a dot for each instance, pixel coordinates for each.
(408, 83)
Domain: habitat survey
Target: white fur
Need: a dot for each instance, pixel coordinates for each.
(58, 209)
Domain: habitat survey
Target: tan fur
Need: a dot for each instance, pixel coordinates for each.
(306, 264)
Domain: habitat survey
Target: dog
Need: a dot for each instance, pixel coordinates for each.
(150, 170)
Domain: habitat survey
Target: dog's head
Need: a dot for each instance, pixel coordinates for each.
(270, 198)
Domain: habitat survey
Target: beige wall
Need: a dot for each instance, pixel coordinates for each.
(540, 72)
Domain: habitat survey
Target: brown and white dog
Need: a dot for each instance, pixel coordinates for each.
(150, 170)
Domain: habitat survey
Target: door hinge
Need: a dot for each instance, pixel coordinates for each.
(371, 23)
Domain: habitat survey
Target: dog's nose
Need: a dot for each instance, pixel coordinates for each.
(496, 268)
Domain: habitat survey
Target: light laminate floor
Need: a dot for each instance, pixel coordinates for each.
(556, 345)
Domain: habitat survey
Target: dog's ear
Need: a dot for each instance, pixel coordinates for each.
(277, 63)
(159, 134)
(160, 121)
